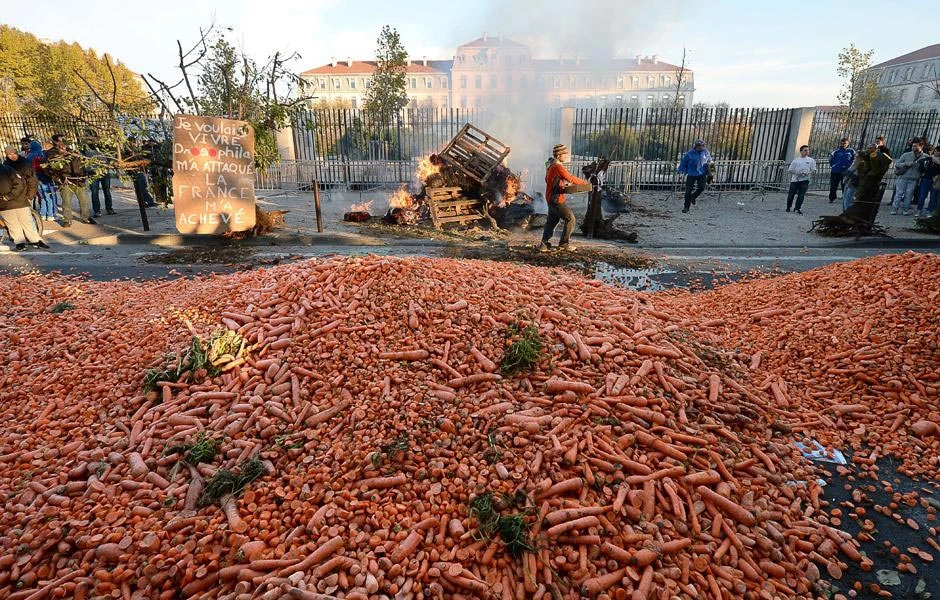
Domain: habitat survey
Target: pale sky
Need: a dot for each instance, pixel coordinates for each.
(749, 54)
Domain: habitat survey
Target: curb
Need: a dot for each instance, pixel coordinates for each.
(179, 240)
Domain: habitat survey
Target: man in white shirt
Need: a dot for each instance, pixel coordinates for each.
(801, 170)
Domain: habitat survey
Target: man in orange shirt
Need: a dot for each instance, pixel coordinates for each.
(558, 181)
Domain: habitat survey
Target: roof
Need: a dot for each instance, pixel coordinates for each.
(489, 41)
(366, 67)
(617, 64)
(922, 54)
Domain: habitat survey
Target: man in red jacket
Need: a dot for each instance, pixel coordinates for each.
(558, 181)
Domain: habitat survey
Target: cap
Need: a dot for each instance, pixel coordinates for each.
(699, 143)
(559, 149)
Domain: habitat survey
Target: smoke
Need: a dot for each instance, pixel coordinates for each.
(594, 31)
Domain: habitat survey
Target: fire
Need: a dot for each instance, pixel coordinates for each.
(512, 187)
(362, 207)
(400, 199)
(426, 168)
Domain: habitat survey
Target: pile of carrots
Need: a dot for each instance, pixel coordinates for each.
(649, 454)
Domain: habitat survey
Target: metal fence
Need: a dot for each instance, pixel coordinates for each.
(665, 133)
(831, 125)
(13, 127)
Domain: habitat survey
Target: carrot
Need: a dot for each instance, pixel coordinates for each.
(735, 511)
(646, 583)
(569, 514)
(580, 523)
(405, 355)
(407, 547)
(469, 380)
(563, 487)
(556, 386)
(648, 350)
(458, 305)
(485, 363)
(596, 585)
(317, 556)
(382, 483)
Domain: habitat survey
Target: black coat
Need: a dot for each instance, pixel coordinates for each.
(25, 170)
(12, 190)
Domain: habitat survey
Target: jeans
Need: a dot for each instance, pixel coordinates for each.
(20, 225)
(798, 189)
(926, 187)
(693, 181)
(80, 191)
(48, 199)
(835, 180)
(104, 183)
(905, 190)
(140, 189)
(558, 212)
(848, 195)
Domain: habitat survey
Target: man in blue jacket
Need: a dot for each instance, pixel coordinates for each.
(695, 166)
(839, 160)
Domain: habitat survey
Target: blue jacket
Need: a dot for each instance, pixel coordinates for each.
(695, 164)
(36, 156)
(841, 159)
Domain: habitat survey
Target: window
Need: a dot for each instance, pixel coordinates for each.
(588, 82)
(894, 76)
(478, 82)
(478, 102)
(443, 83)
(634, 100)
(929, 71)
(665, 98)
(556, 83)
(902, 97)
(572, 81)
(508, 82)
(919, 94)
(493, 82)
(354, 102)
(322, 83)
(463, 102)
(336, 83)
(620, 83)
(351, 83)
(463, 82)
(651, 81)
(414, 83)
(427, 83)
(681, 100)
(635, 83)
(664, 80)
(650, 100)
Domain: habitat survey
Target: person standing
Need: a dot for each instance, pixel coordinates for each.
(558, 181)
(694, 164)
(850, 183)
(16, 207)
(100, 174)
(839, 161)
(801, 171)
(64, 166)
(908, 176)
(930, 183)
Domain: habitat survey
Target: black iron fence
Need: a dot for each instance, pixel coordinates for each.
(665, 133)
(862, 127)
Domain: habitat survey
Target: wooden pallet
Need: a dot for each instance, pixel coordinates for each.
(447, 205)
(475, 152)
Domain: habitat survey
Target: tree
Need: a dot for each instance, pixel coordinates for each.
(387, 93)
(859, 87)
(681, 76)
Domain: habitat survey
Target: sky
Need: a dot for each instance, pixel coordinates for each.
(743, 52)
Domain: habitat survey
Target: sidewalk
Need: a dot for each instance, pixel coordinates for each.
(733, 220)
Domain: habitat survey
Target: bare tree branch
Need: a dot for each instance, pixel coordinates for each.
(169, 92)
(158, 97)
(183, 66)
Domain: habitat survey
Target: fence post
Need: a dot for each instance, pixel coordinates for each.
(567, 127)
(801, 125)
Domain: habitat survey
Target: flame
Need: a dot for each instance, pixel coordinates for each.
(400, 199)
(512, 188)
(362, 207)
(426, 168)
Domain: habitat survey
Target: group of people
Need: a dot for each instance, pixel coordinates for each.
(52, 174)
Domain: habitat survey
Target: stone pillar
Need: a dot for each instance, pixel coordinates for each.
(567, 126)
(285, 143)
(801, 125)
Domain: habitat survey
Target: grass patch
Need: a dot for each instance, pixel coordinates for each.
(512, 528)
(61, 307)
(390, 451)
(203, 449)
(231, 483)
(224, 346)
(523, 348)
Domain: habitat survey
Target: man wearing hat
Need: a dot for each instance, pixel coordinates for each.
(558, 181)
(694, 164)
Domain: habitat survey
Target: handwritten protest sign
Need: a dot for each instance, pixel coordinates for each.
(213, 174)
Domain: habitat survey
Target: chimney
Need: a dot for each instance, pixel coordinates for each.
(639, 59)
(484, 36)
(655, 59)
(332, 61)
(348, 62)
(424, 61)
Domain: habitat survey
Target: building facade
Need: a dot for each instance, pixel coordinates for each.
(910, 81)
(497, 71)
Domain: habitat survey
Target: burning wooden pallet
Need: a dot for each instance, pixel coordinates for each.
(447, 205)
(475, 152)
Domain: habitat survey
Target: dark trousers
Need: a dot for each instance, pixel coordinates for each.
(104, 184)
(693, 181)
(835, 181)
(798, 189)
(558, 212)
(140, 189)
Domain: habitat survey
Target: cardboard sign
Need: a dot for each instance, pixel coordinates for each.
(213, 174)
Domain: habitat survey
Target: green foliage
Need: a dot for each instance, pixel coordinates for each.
(203, 449)
(512, 529)
(523, 348)
(859, 89)
(61, 307)
(231, 483)
(45, 79)
(388, 92)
